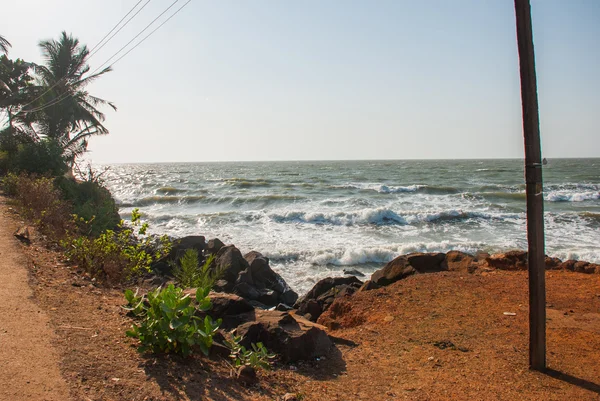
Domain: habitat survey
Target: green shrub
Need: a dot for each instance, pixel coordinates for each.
(42, 157)
(118, 255)
(257, 357)
(170, 323)
(189, 275)
(93, 202)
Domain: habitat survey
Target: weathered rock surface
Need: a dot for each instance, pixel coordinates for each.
(461, 261)
(214, 245)
(322, 295)
(23, 234)
(512, 260)
(292, 337)
(406, 265)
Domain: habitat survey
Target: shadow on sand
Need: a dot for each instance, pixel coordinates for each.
(567, 378)
(192, 378)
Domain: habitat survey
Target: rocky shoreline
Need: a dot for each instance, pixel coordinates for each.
(256, 303)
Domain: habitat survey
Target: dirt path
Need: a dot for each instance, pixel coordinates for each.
(29, 365)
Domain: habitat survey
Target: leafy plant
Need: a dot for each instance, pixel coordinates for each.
(117, 255)
(189, 275)
(171, 324)
(257, 357)
(135, 303)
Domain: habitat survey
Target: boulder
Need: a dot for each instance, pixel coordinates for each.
(553, 263)
(393, 271)
(368, 286)
(228, 305)
(23, 234)
(322, 295)
(461, 261)
(427, 262)
(229, 262)
(568, 265)
(247, 291)
(288, 335)
(512, 260)
(178, 248)
(214, 246)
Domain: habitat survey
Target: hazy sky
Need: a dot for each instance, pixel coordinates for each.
(325, 79)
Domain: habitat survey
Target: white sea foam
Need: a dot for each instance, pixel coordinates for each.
(569, 196)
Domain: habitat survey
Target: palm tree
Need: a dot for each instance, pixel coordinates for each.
(66, 112)
(4, 44)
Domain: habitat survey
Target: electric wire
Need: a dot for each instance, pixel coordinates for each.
(115, 27)
(91, 51)
(119, 30)
(60, 99)
(136, 36)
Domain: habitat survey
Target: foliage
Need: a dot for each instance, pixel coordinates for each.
(42, 157)
(117, 255)
(257, 357)
(16, 85)
(170, 323)
(92, 202)
(65, 111)
(41, 202)
(189, 275)
(4, 44)
(135, 303)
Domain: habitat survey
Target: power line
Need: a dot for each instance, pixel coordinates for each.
(115, 27)
(119, 30)
(90, 56)
(61, 98)
(136, 36)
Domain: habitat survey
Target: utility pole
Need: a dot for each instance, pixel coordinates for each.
(534, 188)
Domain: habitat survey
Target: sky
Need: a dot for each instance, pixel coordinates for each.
(249, 80)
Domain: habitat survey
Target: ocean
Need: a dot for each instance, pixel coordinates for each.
(315, 218)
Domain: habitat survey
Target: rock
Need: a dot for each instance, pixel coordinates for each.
(283, 307)
(268, 297)
(245, 277)
(289, 397)
(289, 297)
(325, 285)
(568, 265)
(427, 262)
(227, 305)
(214, 246)
(513, 260)
(353, 272)
(247, 291)
(393, 271)
(580, 266)
(461, 261)
(368, 286)
(310, 307)
(22, 234)
(229, 262)
(322, 295)
(262, 274)
(288, 335)
(553, 263)
(247, 375)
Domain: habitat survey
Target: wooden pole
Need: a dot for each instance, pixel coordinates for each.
(534, 188)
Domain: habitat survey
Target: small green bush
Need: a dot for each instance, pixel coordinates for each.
(93, 202)
(117, 255)
(257, 357)
(44, 157)
(189, 275)
(170, 323)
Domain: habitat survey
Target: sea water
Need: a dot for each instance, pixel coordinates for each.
(315, 218)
